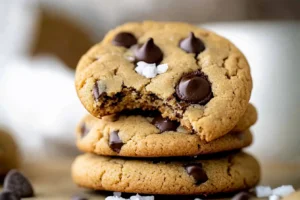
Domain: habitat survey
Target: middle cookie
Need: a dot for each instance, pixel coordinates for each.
(141, 136)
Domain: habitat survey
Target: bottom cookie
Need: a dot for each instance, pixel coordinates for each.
(184, 176)
(9, 158)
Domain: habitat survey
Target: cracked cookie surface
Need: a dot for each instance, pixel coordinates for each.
(206, 89)
(9, 157)
(209, 175)
(141, 136)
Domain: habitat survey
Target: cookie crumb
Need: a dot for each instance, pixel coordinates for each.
(263, 191)
(283, 190)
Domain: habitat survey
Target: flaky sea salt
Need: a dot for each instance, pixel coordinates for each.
(117, 194)
(150, 70)
(162, 68)
(136, 197)
(114, 198)
(263, 191)
(274, 197)
(283, 191)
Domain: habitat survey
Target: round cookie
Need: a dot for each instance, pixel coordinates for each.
(220, 174)
(201, 79)
(140, 136)
(9, 158)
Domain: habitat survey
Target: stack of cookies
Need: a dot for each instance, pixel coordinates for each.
(170, 113)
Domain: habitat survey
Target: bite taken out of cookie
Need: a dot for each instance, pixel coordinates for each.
(189, 74)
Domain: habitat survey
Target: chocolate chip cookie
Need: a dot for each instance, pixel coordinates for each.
(9, 157)
(189, 74)
(154, 136)
(184, 176)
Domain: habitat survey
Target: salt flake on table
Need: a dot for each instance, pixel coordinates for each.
(283, 191)
(274, 197)
(263, 191)
(114, 198)
(117, 194)
(138, 197)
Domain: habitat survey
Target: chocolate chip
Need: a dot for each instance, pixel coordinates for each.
(84, 130)
(192, 44)
(194, 88)
(149, 53)
(242, 196)
(96, 92)
(8, 195)
(18, 184)
(124, 39)
(165, 124)
(196, 171)
(98, 89)
(115, 143)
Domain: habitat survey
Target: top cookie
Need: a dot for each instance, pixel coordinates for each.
(189, 74)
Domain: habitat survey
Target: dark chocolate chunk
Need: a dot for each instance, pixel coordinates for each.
(124, 39)
(149, 53)
(8, 195)
(84, 130)
(165, 124)
(196, 171)
(98, 90)
(115, 143)
(18, 184)
(192, 44)
(194, 88)
(242, 196)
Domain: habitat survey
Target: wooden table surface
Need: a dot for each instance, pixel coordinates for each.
(52, 180)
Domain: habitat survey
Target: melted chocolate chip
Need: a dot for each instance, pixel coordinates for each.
(192, 44)
(115, 143)
(98, 89)
(196, 171)
(149, 53)
(8, 195)
(164, 124)
(96, 92)
(194, 88)
(84, 130)
(242, 196)
(124, 39)
(18, 184)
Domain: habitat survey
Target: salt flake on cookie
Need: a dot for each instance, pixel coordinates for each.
(150, 70)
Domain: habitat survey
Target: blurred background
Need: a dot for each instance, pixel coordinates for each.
(42, 41)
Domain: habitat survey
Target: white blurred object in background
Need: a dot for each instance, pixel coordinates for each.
(272, 49)
(38, 101)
